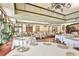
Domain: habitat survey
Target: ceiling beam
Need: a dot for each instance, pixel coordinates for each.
(51, 10)
(47, 15)
(39, 14)
(44, 8)
(72, 13)
(72, 18)
(44, 14)
(36, 13)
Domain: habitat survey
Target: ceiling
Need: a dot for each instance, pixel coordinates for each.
(22, 13)
(38, 18)
(74, 7)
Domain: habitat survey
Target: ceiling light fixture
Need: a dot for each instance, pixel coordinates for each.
(59, 6)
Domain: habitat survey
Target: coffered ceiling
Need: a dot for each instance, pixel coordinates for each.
(74, 7)
(40, 12)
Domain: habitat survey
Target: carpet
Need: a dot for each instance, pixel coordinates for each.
(62, 46)
(71, 54)
(5, 49)
(23, 49)
(47, 43)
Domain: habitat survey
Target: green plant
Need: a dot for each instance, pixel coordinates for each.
(1, 43)
(7, 31)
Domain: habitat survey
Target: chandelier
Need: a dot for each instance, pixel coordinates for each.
(60, 6)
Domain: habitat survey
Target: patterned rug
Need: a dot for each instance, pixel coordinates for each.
(71, 54)
(23, 49)
(17, 55)
(34, 44)
(62, 46)
(47, 43)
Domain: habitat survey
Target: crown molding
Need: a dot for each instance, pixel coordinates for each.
(44, 8)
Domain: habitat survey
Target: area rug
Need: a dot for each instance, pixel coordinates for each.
(23, 49)
(70, 54)
(34, 44)
(62, 46)
(17, 55)
(47, 43)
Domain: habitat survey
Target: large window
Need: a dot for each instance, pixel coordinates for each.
(72, 28)
(37, 28)
(18, 28)
(29, 28)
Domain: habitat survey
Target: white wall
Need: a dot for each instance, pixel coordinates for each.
(8, 8)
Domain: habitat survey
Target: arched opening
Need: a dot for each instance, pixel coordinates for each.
(72, 28)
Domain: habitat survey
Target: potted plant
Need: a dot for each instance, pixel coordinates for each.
(1, 43)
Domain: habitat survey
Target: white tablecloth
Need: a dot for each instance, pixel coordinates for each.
(24, 41)
(43, 50)
(68, 40)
